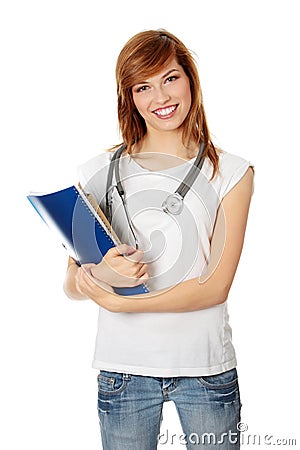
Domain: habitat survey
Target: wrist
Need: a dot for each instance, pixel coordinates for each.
(96, 273)
(111, 302)
(102, 284)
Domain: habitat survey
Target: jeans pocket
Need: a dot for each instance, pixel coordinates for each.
(110, 383)
(221, 388)
(222, 380)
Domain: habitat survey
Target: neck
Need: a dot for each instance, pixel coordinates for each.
(168, 143)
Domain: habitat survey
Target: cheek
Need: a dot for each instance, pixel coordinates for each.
(186, 95)
(139, 103)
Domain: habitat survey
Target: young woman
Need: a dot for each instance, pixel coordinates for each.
(173, 342)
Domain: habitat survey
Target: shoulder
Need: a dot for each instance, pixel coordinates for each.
(89, 169)
(231, 170)
(229, 162)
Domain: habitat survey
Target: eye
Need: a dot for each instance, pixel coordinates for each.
(142, 88)
(172, 78)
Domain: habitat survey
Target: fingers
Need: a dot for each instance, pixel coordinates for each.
(122, 266)
(136, 257)
(86, 284)
(128, 252)
(141, 270)
(87, 267)
(122, 249)
(143, 276)
(80, 286)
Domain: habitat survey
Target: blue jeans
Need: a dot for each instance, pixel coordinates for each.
(130, 410)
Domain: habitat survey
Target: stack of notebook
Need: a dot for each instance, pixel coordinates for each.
(82, 226)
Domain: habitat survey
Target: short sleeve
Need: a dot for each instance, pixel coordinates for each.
(232, 168)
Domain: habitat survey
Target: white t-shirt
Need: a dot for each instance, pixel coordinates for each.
(176, 248)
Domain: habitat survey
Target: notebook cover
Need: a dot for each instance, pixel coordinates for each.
(86, 235)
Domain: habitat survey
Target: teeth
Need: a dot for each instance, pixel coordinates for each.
(165, 111)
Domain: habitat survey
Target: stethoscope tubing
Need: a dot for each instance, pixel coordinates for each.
(174, 202)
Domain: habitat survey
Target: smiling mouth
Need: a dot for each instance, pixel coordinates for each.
(165, 113)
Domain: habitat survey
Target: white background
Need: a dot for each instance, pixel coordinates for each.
(58, 108)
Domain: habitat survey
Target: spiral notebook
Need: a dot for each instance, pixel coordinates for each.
(82, 226)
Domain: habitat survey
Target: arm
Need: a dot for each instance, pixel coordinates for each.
(69, 286)
(211, 289)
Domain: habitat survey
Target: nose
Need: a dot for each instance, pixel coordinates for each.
(161, 96)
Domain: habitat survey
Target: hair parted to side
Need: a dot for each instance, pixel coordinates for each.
(142, 56)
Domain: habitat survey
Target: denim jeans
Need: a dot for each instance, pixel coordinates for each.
(130, 410)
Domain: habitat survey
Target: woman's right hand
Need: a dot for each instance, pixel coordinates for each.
(122, 266)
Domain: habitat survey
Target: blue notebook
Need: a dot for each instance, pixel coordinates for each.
(82, 226)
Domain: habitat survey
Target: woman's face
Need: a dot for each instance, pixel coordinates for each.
(164, 99)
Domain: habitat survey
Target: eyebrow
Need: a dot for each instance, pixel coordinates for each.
(163, 76)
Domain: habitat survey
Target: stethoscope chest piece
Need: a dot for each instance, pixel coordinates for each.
(173, 204)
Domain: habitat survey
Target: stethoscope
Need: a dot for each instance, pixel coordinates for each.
(173, 204)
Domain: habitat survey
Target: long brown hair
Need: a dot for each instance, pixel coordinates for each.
(143, 56)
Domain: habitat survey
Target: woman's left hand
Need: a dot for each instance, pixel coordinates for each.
(98, 291)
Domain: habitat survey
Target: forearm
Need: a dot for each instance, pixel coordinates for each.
(190, 295)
